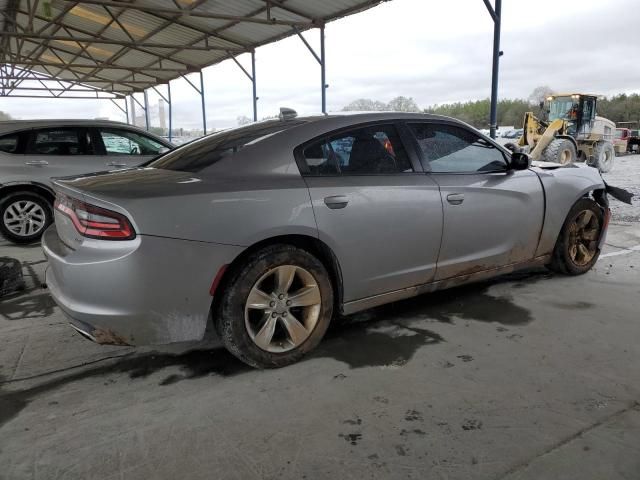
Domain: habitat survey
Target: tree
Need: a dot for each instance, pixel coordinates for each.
(365, 105)
(540, 94)
(4, 116)
(403, 104)
(243, 120)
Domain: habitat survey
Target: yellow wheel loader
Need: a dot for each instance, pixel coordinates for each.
(572, 132)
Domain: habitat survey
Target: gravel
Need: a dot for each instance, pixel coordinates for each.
(625, 174)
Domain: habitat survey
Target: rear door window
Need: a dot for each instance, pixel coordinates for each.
(372, 150)
(59, 141)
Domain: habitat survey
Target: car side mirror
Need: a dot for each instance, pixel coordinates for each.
(520, 161)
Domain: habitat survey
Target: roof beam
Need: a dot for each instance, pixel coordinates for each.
(106, 41)
(136, 69)
(196, 13)
(280, 4)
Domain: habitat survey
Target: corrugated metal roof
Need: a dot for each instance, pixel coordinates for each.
(124, 46)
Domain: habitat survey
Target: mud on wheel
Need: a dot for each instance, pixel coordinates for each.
(576, 249)
(275, 307)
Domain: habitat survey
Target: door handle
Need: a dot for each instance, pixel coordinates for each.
(37, 163)
(455, 198)
(336, 201)
(116, 164)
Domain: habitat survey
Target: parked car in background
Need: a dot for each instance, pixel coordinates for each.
(33, 151)
(271, 228)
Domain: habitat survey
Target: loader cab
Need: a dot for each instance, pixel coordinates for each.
(577, 110)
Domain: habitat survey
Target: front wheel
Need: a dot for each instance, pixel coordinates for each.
(604, 154)
(24, 216)
(576, 249)
(276, 307)
(560, 151)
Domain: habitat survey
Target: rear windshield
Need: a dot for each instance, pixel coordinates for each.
(200, 154)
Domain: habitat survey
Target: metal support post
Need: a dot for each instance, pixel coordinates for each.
(146, 111)
(321, 60)
(126, 109)
(323, 77)
(201, 92)
(170, 112)
(495, 15)
(253, 82)
(204, 115)
(251, 76)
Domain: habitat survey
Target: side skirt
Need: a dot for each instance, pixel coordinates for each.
(369, 302)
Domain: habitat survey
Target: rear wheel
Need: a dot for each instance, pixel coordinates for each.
(560, 151)
(24, 216)
(276, 307)
(604, 154)
(576, 249)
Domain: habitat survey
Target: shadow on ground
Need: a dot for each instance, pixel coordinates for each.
(382, 336)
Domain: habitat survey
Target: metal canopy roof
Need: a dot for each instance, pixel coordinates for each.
(127, 46)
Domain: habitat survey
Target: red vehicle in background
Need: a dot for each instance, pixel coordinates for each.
(621, 140)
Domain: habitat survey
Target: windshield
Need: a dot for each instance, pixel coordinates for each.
(565, 108)
(200, 154)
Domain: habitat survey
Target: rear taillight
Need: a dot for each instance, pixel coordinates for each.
(95, 222)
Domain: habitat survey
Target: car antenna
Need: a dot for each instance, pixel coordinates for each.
(287, 113)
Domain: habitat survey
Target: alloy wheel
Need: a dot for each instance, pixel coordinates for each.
(24, 218)
(583, 237)
(282, 308)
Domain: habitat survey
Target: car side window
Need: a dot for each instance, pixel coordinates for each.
(9, 143)
(452, 149)
(371, 150)
(58, 141)
(124, 142)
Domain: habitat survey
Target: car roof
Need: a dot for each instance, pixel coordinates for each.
(8, 126)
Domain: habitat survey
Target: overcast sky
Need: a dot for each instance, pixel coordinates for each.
(435, 52)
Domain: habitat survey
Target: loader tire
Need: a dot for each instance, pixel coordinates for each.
(603, 153)
(560, 151)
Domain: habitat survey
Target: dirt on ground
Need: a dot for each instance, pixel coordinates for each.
(625, 174)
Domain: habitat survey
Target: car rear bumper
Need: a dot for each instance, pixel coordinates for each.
(149, 290)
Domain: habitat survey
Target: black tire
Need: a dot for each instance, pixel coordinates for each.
(12, 199)
(562, 260)
(229, 314)
(560, 151)
(604, 155)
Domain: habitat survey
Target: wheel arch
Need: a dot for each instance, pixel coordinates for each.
(308, 243)
(33, 187)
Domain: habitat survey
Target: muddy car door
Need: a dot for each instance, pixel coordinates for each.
(374, 207)
(493, 215)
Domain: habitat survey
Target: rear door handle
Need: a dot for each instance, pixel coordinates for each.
(336, 201)
(37, 163)
(116, 164)
(455, 198)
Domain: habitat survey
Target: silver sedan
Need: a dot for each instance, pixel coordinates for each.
(271, 229)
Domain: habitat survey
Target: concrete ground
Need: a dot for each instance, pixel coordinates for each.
(531, 376)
